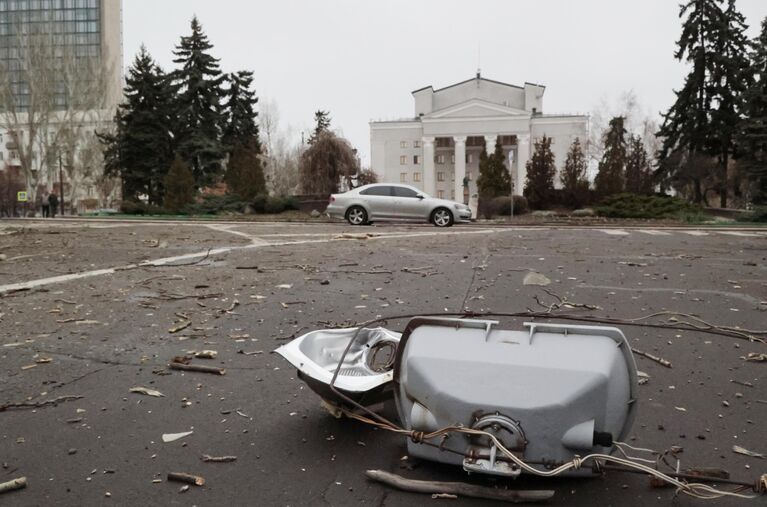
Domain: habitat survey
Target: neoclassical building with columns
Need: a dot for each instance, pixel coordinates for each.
(438, 149)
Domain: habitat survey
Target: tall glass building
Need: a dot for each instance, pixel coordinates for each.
(75, 28)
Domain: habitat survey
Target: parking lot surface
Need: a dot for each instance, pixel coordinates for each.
(91, 309)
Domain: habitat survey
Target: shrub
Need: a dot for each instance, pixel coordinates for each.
(274, 204)
(142, 208)
(501, 206)
(645, 206)
(214, 204)
(758, 215)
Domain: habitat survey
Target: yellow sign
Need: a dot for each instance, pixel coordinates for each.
(22, 197)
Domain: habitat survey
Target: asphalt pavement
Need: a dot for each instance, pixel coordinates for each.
(91, 309)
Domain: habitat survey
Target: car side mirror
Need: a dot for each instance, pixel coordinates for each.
(419, 196)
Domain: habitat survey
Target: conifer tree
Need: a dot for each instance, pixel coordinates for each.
(611, 175)
(141, 148)
(245, 172)
(322, 124)
(541, 170)
(753, 131)
(241, 127)
(494, 178)
(574, 179)
(704, 119)
(198, 104)
(638, 174)
(179, 186)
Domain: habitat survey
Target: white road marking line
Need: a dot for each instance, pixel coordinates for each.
(653, 232)
(695, 233)
(739, 234)
(168, 261)
(615, 232)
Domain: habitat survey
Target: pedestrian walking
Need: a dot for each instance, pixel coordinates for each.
(53, 202)
(46, 205)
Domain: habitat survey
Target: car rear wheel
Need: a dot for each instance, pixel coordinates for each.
(356, 215)
(442, 217)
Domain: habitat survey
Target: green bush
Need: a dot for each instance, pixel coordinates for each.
(501, 206)
(274, 204)
(141, 208)
(758, 215)
(645, 206)
(214, 204)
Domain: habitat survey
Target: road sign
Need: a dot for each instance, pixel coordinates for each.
(22, 196)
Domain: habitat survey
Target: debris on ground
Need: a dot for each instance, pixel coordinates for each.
(206, 354)
(753, 356)
(182, 363)
(172, 437)
(194, 480)
(147, 392)
(218, 459)
(537, 279)
(458, 488)
(39, 404)
(13, 485)
(659, 360)
(742, 450)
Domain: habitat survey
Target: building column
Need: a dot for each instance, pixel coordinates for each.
(429, 175)
(460, 166)
(490, 144)
(523, 155)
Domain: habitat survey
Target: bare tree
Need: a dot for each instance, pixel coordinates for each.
(51, 101)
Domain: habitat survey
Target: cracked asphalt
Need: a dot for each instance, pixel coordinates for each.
(97, 322)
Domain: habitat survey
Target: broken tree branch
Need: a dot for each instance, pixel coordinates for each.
(458, 488)
(659, 360)
(218, 459)
(195, 480)
(196, 367)
(13, 485)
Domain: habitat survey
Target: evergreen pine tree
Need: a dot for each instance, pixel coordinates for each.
(179, 186)
(703, 120)
(494, 178)
(610, 178)
(637, 166)
(245, 173)
(241, 127)
(198, 105)
(322, 124)
(541, 170)
(574, 179)
(753, 132)
(141, 148)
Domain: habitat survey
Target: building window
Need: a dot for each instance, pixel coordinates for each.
(452, 159)
(452, 194)
(403, 160)
(440, 194)
(469, 158)
(403, 177)
(416, 144)
(416, 159)
(440, 159)
(403, 144)
(508, 140)
(1, 155)
(417, 177)
(440, 176)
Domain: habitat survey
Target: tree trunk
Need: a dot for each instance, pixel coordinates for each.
(723, 185)
(697, 190)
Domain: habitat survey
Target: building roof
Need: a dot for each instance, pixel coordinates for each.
(478, 77)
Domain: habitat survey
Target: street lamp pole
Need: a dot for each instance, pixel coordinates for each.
(61, 185)
(511, 179)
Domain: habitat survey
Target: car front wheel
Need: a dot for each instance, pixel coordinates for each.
(442, 217)
(356, 215)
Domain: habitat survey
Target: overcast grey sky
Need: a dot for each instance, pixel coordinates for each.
(361, 59)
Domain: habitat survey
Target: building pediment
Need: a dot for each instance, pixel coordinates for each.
(475, 108)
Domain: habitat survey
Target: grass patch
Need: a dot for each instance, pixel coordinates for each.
(649, 207)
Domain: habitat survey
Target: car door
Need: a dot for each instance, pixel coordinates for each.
(379, 201)
(408, 203)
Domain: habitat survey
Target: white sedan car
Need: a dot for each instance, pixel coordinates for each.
(384, 201)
